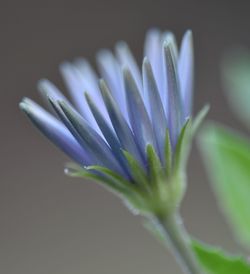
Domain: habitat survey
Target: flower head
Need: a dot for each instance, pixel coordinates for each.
(128, 129)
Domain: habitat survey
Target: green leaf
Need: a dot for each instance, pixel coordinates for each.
(227, 157)
(215, 261)
(236, 72)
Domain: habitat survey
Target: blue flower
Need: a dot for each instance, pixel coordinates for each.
(127, 129)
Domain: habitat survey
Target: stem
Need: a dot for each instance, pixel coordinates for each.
(174, 233)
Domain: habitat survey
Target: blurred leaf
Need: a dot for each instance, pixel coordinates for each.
(215, 261)
(227, 157)
(236, 77)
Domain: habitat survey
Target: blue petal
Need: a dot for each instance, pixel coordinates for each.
(186, 71)
(153, 51)
(175, 110)
(88, 75)
(55, 131)
(45, 87)
(169, 36)
(158, 117)
(111, 72)
(72, 79)
(139, 120)
(89, 80)
(120, 125)
(91, 139)
(127, 59)
(108, 133)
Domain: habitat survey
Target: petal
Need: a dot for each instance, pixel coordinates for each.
(153, 51)
(48, 89)
(77, 89)
(89, 80)
(158, 117)
(89, 76)
(112, 74)
(186, 72)
(138, 115)
(175, 115)
(45, 87)
(55, 131)
(169, 36)
(108, 133)
(91, 139)
(119, 123)
(127, 59)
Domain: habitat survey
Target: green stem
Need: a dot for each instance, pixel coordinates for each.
(174, 233)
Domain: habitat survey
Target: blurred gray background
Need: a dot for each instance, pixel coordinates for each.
(52, 224)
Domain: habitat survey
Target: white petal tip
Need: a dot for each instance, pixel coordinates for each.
(23, 106)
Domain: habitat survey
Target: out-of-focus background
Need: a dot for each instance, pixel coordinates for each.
(53, 224)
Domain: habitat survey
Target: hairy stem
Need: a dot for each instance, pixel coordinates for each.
(175, 234)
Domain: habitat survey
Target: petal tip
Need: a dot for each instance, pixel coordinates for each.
(42, 85)
(23, 106)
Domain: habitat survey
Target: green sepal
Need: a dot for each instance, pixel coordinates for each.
(109, 173)
(199, 118)
(132, 195)
(108, 181)
(168, 154)
(155, 167)
(138, 173)
(182, 148)
(167, 190)
(183, 145)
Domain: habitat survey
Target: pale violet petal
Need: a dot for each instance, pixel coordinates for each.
(77, 89)
(55, 131)
(46, 87)
(120, 125)
(186, 72)
(153, 51)
(111, 72)
(91, 139)
(170, 37)
(139, 119)
(89, 80)
(175, 115)
(127, 59)
(158, 118)
(109, 134)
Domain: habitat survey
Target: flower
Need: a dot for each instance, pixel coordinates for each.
(128, 129)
